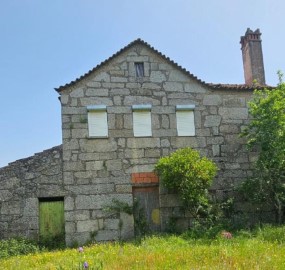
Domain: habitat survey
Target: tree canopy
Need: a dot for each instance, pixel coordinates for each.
(266, 135)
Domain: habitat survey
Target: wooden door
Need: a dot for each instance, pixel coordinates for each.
(51, 220)
(147, 214)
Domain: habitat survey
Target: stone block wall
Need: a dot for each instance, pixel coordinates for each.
(97, 170)
(90, 173)
(22, 183)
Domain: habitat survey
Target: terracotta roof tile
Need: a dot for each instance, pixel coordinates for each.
(237, 86)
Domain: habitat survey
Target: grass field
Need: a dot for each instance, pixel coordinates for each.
(264, 250)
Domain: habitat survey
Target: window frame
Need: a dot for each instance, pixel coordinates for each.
(139, 70)
(185, 113)
(140, 112)
(91, 112)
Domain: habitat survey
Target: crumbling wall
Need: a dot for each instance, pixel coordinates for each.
(22, 183)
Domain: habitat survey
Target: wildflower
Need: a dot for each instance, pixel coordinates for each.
(80, 249)
(85, 265)
(226, 235)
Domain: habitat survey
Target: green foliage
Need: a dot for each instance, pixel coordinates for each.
(202, 231)
(116, 207)
(83, 120)
(171, 226)
(218, 218)
(141, 224)
(266, 134)
(190, 175)
(52, 242)
(17, 246)
(260, 249)
(271, 234)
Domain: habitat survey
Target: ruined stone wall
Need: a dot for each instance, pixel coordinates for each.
(97, 170)
(22, 183)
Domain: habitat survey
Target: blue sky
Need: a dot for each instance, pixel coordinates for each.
(45, 44)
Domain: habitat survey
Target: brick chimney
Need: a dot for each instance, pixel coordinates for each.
(252, 57)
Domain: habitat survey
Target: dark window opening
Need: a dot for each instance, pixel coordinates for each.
(139, 70)
(51, 199)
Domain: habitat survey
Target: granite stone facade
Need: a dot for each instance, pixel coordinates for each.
(23, 183)
(90, 172)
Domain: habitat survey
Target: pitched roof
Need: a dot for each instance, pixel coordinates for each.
(192, 76)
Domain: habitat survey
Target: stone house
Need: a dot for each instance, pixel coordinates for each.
(118, 119)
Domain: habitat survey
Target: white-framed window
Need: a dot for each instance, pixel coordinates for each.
(185, 120)
(97, 121)
(142, 120)
(139, 67)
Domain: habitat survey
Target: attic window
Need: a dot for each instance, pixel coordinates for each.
(139, 66)
(185, 120)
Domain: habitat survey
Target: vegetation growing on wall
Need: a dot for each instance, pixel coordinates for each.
(190, 175)
(140, 221)
(117, 207)
(266, 135)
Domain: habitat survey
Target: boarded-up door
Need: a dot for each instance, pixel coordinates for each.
(147, 213)
(51, 218)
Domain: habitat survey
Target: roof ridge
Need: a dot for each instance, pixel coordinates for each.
(141, 41)
(138, 40)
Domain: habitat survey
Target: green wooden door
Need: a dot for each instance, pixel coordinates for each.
(51, 219)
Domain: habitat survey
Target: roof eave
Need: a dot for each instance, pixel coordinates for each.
(140, 41)
(137, 41)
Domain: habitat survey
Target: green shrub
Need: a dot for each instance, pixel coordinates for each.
(190, 175)
(17, 246)
(266, 134)
(208, 229)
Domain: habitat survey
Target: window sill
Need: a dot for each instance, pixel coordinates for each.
(186, 135)
(97, 137)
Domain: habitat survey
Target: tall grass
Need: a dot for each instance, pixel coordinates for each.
(261, 249)
(17, 246)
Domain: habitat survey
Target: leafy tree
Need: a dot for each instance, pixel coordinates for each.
(266, 134)
(186, 172)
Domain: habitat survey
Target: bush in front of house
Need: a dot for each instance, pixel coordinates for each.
(190, 176)
(265, 135)
(17, 246)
